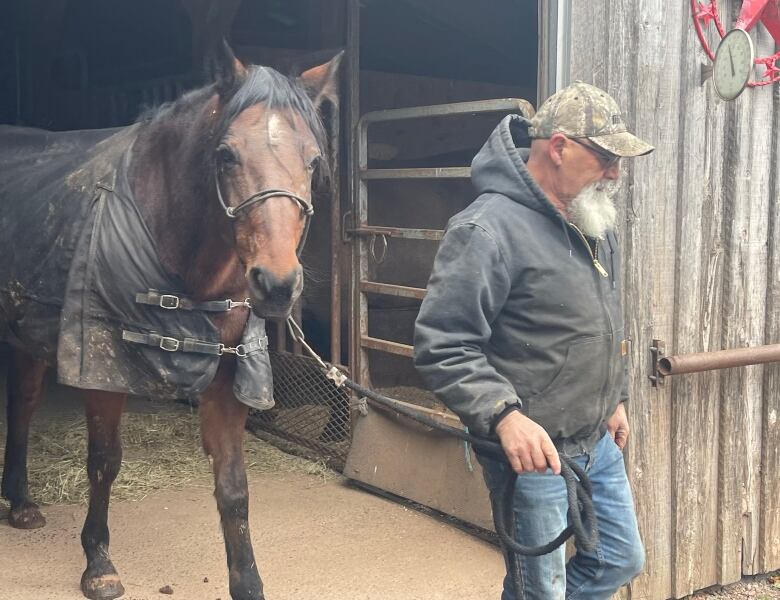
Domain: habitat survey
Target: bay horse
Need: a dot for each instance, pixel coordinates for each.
(222, 178)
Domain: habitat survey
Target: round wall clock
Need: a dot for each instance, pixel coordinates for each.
(733, 64)
(737, 45)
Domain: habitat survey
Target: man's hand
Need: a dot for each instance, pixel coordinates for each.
(527, 445)
(618, 426)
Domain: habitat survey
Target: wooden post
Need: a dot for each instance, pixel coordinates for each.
(698, 287)
(633, 48)
(746, 207)
(769, 554)
(353, 115)
(336, 243)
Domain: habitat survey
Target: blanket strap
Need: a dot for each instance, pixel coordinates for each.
(173, 302)
(171, 344)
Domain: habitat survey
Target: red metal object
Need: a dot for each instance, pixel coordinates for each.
(770, 17)
(706, 13)
(752, 11)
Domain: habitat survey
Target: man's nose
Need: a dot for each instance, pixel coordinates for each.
(613, 172)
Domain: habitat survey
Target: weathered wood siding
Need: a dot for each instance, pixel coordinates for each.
(701, 237)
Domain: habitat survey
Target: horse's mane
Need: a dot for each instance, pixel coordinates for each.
(182, 104)
(261, 85)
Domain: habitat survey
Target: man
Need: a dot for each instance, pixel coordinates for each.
(521, 332)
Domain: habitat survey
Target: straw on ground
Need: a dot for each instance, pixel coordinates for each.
(161, 450)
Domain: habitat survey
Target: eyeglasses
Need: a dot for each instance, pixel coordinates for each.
(607, 159)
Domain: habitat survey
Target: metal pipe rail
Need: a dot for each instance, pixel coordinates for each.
(389, 289)
(398, 232)
(419, 173)
(450, 110)
(722, 359)
(697, 362)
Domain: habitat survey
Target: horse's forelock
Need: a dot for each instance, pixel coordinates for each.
(277, 92)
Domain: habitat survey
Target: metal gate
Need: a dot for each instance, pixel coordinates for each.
(368, 235)
(386, 453)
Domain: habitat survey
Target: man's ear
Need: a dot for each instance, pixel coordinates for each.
(555, 147)
(225, 70)
(322, 82)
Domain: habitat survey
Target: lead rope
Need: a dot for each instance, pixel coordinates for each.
(581, 514)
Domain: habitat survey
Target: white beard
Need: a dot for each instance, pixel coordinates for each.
(593, 210)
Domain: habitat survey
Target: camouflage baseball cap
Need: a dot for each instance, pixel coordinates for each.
(584, 111)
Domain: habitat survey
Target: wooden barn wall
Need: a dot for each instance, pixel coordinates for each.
(700, 230)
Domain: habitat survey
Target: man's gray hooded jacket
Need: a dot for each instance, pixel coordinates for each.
(518, 312)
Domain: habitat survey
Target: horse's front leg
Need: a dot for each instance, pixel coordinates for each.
(25, 391)
(222, 421)
(100, 580)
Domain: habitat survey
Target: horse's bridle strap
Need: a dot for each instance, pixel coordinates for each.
(306, 206)
(233, 211)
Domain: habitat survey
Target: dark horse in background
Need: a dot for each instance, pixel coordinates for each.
(250, 132)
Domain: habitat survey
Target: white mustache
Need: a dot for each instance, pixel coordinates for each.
(607, 186)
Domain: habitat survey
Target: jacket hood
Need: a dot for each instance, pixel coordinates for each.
(500, 167)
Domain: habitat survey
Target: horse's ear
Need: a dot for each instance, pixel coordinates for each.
(225, 70)
(322, 82)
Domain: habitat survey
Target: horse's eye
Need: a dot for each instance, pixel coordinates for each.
(226, 157)
(313, 163)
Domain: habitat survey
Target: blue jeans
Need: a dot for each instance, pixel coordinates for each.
(540, 515)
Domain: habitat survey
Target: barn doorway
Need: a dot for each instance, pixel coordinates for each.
(470, 66)
(79, 65)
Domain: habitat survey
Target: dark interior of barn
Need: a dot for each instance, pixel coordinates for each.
(54, 53)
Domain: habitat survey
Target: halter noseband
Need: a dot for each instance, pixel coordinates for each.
(233, 211)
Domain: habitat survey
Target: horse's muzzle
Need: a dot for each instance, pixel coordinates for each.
(272, 297)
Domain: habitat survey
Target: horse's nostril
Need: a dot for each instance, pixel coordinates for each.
(268, 287)
(259, 282)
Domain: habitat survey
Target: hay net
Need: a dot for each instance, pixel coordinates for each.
(310, 412)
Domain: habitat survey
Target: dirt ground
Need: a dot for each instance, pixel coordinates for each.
(313, 540)
(763, 587)
(315, 537)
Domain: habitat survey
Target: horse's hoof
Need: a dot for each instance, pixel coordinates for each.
(26, 516)
(105, 587)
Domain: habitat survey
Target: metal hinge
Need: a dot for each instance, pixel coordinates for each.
(347, 225)
(657, 352)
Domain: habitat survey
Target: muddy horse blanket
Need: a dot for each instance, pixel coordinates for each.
(81, 282)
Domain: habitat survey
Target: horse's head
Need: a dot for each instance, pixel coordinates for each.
(269, 143)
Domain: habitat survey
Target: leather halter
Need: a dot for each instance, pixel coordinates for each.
(233, 212)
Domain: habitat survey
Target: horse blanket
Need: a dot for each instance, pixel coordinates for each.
(81, 283)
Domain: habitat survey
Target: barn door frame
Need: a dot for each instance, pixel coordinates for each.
(554, 47)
